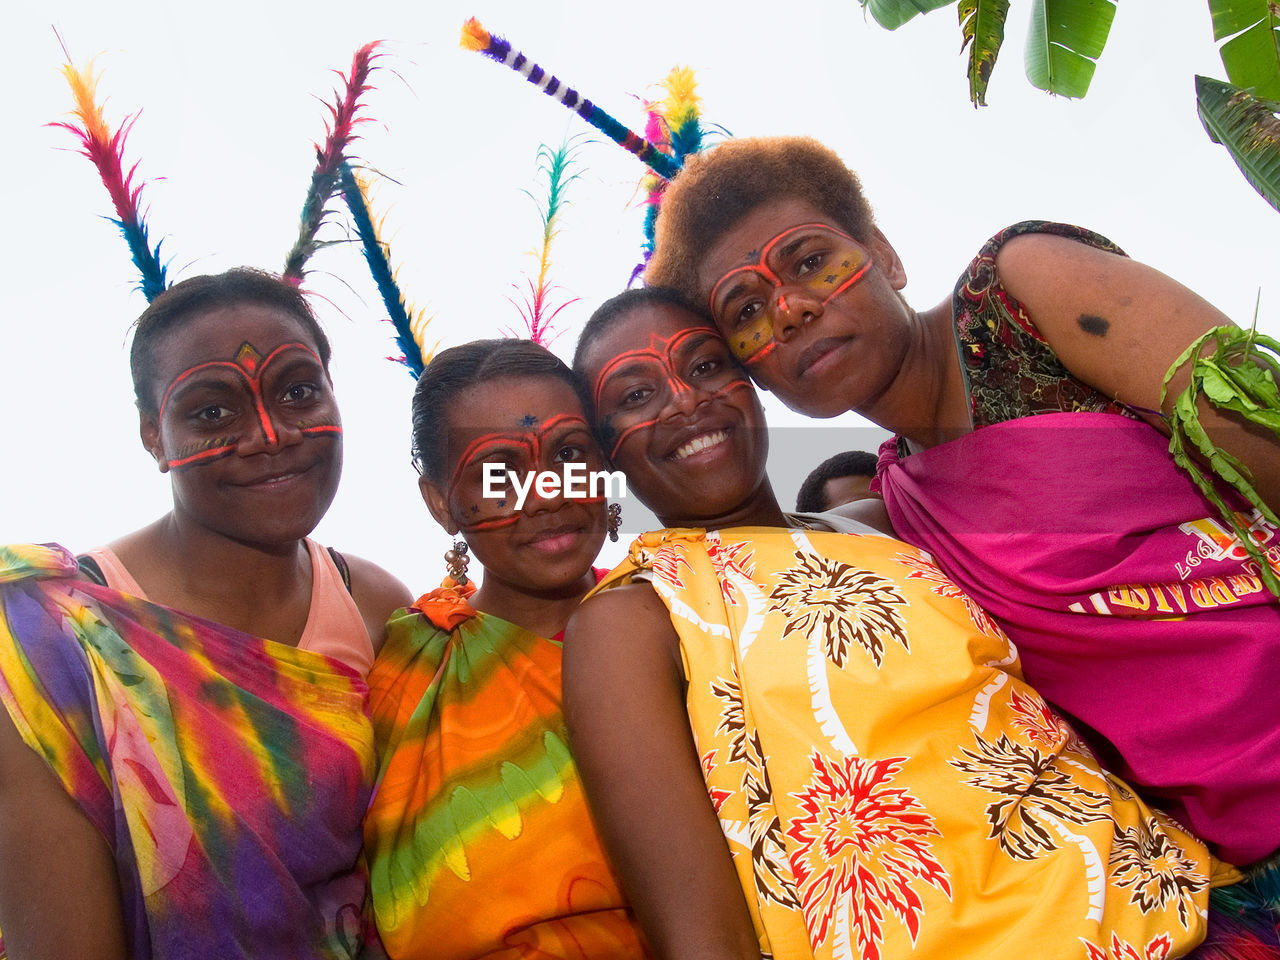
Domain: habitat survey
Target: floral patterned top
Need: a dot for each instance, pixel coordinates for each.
(1009, 368)
(887, 783)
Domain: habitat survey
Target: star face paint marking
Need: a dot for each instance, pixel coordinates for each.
(748, 300)
(527, 450)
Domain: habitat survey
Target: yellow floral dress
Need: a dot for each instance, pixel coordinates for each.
(888, 784)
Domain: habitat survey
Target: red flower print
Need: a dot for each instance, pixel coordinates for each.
(943, 586)
(861, 847)
(1158, 948)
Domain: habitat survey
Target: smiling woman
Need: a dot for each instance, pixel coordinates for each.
(164, 693)
(478, 837)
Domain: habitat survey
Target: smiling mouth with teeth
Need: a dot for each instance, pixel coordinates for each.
(698, 444)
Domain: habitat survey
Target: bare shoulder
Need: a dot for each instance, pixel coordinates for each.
(377, 594)
(620, 629)
(635, 604)
(1115, 323)
(868, 510)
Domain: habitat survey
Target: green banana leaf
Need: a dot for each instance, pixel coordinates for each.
(891, 14)
(1248, 128)
(1252, 51)
(1065, 40)
(982, 23)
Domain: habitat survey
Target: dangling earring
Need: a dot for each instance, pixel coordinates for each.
(456, 559)
(615, 521)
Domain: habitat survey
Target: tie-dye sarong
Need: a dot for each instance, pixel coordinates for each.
(479, 840)
(227, 773)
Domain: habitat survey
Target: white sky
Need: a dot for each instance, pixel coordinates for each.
(225, 137)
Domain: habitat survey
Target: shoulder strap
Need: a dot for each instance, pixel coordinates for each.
(340, 562)
(89, 567)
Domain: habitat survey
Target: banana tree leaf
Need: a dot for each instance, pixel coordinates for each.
(1252, 54)
(1065, 40)
(1248, 128)
(891, 14)
(982, 23)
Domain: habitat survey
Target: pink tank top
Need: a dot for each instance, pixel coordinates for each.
(334, 626)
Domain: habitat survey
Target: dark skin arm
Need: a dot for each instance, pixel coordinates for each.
(59, 895)
(869, 510)
(1119, 325)
(625, 707)
(377, 595)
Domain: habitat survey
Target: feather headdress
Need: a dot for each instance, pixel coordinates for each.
(536, 309)
(675, 125)
(410, 324)
(339, 132)
(106, 149)
(476, 37)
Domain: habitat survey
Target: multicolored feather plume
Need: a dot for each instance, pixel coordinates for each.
(557, 166)
(476, 37)
(675, 125)
(410, 324)
(106, 149)
(339, 132)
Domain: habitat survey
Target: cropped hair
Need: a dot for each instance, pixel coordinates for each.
(452, 371)
(852, 463)
(718, 187)
(185, 300)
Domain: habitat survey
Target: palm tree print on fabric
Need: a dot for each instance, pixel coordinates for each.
(944, 586)
(1146, 860)
(842, 605)
(862, 850)
(763, 831)
(1036, 801)
(1158, 948)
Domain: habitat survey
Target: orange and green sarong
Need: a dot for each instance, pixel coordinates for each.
(479, 839)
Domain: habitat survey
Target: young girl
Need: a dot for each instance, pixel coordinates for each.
(479, 839)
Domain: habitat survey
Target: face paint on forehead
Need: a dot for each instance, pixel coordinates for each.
(753, 341)
(250, 365)
(530, 442)
(661, 350)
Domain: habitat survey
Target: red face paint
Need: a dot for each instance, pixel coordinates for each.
(633, 389)
(815, 258)
(250, 367)
(523, 451)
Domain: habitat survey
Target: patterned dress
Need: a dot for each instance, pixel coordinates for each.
(887, 783)
(228, 774)
(479, 839)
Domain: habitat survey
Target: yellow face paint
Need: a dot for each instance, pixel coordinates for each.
(813, 259)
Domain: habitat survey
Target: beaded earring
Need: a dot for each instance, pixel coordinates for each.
(456, 559)
(615, 521)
